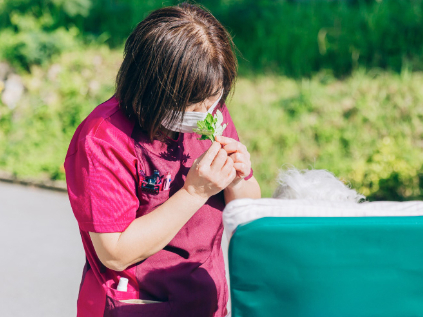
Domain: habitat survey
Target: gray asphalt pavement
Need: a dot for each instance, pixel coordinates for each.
(41, 253)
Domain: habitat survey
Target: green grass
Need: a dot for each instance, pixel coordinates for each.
(367, 129)
(34, 137)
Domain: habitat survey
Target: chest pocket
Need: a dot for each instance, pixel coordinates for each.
(150, 201)
(118, 308)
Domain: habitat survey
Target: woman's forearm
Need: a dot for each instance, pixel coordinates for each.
(244, 189)
(148, 234)
(210, 173)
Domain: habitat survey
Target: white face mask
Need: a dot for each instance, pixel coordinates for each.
(190, 119)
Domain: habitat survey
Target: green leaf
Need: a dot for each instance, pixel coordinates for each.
(211, 126)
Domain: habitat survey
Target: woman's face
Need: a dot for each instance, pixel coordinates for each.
(204, 105)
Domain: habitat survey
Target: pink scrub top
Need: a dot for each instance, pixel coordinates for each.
(105, 164)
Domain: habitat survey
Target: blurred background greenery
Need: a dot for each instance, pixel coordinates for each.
(335, 85)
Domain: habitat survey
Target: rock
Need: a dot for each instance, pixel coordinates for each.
(13, 91)
(5, 69)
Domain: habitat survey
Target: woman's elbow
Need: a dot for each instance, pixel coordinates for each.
(107, 250)
(114, 265)
(119, 265)
(118, 262)
(113, 254)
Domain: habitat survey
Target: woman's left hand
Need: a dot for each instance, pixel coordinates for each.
(239, 154)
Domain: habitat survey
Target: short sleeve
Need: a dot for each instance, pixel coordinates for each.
(102, 186)
(231, 132)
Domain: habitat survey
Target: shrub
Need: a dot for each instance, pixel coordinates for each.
(293, 38)
(31, 45)
(366, 129)
(35, 135)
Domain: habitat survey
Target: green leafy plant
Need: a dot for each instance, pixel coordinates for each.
(211, 126)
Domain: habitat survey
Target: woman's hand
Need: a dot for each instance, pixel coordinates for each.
(240, 156)
(212, 172)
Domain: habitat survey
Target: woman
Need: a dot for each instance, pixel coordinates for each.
(178, 66)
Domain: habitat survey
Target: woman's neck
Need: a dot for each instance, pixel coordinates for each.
(171, 134)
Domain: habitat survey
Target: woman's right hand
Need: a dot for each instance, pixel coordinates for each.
(212, 172)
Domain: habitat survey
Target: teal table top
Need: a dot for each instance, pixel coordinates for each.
(340, 267)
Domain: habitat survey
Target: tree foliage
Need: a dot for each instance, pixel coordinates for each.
(293, 38)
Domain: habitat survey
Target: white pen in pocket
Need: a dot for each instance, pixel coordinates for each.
(123, 284)
(167, 180)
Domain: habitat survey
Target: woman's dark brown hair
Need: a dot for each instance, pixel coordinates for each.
(177, 56)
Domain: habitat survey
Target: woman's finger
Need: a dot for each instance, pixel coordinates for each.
(235, 147)
(238, 157)
(232, 174)
(219, 161)
(227, 168)
(241, 167)
(210, 154)
(224, 140)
